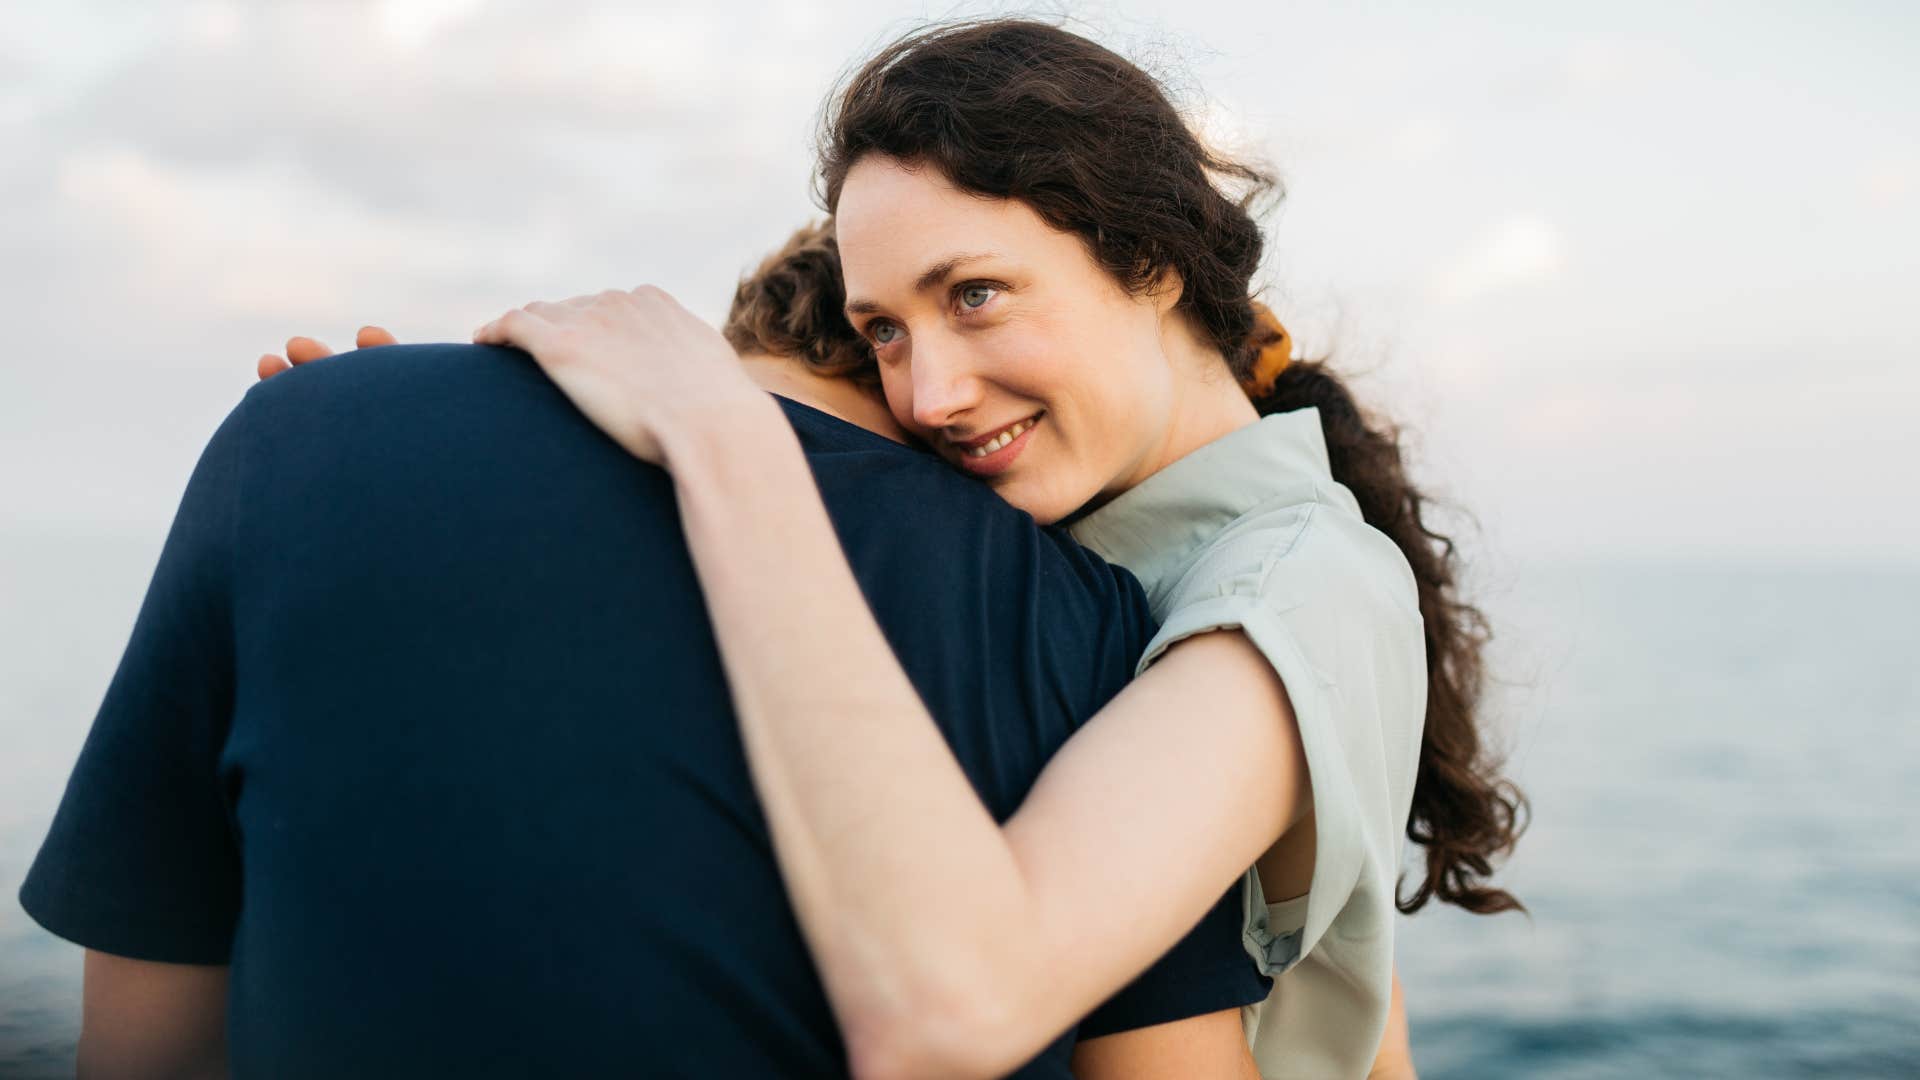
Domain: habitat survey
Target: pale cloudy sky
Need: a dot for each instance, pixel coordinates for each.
(1640, 277)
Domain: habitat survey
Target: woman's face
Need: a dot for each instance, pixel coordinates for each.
(1000, 342)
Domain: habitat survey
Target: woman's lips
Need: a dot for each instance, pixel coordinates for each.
(994, 454)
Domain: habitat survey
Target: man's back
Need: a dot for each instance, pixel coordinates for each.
(423, 730)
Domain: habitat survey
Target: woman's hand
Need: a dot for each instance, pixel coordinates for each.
(644, 369)
(301, 350)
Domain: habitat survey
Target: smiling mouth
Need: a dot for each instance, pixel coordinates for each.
(998, 440)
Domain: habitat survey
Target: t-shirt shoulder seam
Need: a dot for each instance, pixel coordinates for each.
(1283, 547)
(1275, 560)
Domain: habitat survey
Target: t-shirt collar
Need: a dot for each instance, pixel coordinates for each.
(1157, 527)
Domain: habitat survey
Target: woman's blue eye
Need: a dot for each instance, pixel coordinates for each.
(883, 333)
(975, 295)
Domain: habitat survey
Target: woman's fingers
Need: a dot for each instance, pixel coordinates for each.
(301, 350)
(547, 309)
(519, 327)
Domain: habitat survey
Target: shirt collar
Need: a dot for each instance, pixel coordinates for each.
(1157, 527)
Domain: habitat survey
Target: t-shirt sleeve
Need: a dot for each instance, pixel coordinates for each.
(141, 859)
(1204, 972)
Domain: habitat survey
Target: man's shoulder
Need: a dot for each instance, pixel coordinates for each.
(919, 501)
(489, 414)
(910, 522)
(420, 379)
(862, 475)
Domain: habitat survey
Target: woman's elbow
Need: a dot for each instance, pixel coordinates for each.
(957, 1033)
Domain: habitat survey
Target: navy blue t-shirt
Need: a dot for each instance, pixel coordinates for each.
(422, 729)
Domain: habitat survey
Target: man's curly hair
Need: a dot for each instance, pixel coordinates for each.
(793, 306)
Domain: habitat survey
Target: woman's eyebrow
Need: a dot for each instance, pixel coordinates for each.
(936, 275)
(932, 277)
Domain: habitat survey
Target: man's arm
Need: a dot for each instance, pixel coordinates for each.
(1215, 1046)
(140, 859)
(1208, 1047)
(143, 1020)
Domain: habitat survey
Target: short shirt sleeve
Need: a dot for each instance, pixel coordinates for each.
(1330, 605)
(141, 859)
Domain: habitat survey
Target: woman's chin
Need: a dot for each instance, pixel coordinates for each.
(1045, 507)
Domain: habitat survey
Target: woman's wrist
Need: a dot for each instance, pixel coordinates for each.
(697, 431)
(724, 441)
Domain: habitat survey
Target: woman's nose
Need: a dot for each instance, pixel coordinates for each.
(945, 388)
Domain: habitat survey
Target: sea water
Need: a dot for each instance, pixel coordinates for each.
(1723, 874)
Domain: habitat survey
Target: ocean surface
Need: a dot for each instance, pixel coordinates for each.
(1723, 873)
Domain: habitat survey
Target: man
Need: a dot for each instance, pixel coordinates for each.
(420, 758)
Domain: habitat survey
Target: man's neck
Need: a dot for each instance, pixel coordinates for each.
(842, 398)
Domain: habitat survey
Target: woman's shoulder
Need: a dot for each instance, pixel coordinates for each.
(1327, 599)
(1307, 548)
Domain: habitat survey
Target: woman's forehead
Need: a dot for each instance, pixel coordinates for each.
(885, 199)
(895, 223)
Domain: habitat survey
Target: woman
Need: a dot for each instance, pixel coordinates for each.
(1056, 291)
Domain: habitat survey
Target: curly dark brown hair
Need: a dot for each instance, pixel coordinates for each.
(1018, 109)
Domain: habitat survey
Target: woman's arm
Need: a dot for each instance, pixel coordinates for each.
(948, 944)
(1395, 1058)
(916, 903)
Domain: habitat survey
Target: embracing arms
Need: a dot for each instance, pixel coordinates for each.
(948, 944)
(917, 904)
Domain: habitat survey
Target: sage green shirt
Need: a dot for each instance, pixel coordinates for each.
(1251, 532)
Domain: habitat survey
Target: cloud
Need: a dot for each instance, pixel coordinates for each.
(183, 185)
(1419, 141)
(603, 99)
(1891, 183)
(1520, 250)
(263, 239)
(265, 163)
(411, 24)
(1601, 64)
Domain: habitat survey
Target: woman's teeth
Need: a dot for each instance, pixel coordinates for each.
(1001, 440)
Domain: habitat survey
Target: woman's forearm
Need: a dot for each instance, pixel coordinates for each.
(950, 944)
(852, 772)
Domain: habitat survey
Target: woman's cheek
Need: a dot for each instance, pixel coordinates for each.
(897, 388)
